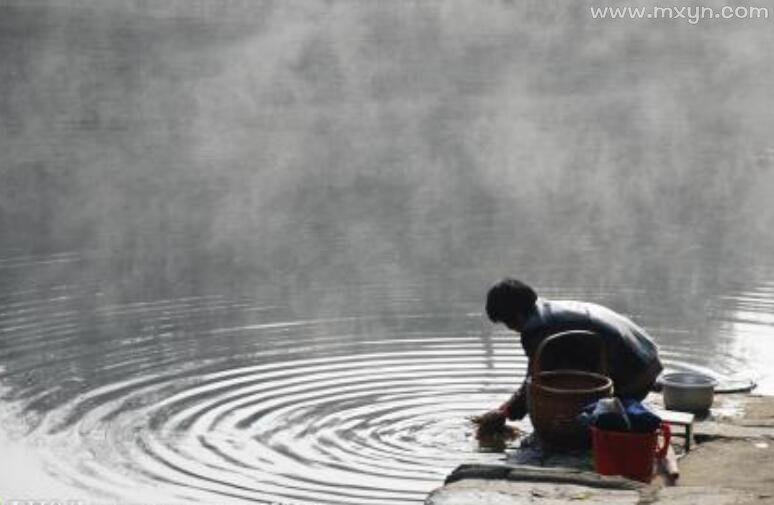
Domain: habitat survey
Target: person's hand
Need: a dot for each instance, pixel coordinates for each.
(493, 434)
(490, 423)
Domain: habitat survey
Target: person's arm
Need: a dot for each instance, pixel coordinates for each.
(516, 406)
(494, 420)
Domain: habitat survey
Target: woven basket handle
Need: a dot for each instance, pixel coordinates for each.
(558, 336)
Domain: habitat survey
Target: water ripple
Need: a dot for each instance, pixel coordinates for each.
(204, 399)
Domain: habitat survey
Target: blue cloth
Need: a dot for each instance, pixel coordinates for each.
(620, 415)
(641, 419)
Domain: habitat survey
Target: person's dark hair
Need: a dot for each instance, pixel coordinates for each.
(507, 298)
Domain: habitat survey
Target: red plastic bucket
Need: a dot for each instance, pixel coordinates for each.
(629, 454)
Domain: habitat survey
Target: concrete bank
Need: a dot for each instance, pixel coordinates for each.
(731, 462)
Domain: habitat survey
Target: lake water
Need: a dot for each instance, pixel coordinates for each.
(244, 247)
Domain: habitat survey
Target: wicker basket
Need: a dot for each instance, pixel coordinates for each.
(557, 397)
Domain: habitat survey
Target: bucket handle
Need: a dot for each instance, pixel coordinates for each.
(553, 338)
(666, 433)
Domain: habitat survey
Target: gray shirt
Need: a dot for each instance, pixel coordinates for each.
(632, 356)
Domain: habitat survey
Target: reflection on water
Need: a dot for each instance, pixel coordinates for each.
(244, 245)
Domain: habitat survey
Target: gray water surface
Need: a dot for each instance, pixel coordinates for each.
(244, 246)
(220, 398)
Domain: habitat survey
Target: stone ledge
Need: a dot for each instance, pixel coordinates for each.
(493, 491)
(506, 492)
(713, 430)
(553, 475)
(697, 495)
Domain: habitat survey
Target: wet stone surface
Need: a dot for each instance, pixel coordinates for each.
(731, 464)
(495, 492)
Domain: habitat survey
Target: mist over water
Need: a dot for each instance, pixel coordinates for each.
(244, 245)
